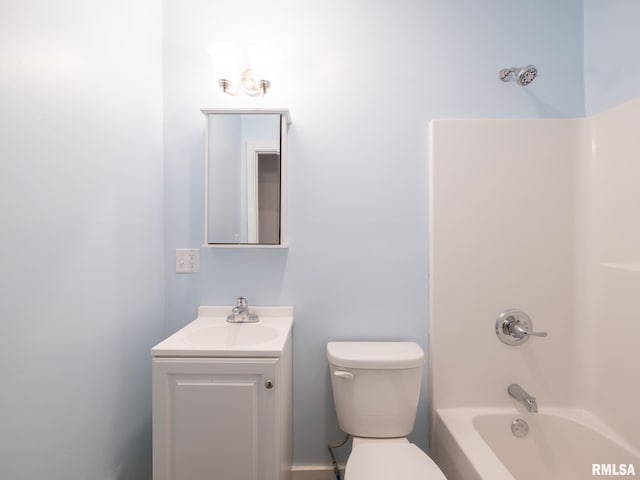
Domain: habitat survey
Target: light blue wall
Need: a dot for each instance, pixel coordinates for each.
(362, 80)
(81, 214)
(81, 194)
(81, 200)
(611, 39)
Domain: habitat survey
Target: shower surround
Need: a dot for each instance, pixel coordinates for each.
(539, 215)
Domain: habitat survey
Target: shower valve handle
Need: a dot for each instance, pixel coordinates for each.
(520, 331)
(514, 327)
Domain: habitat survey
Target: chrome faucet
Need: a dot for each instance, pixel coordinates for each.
(240, 313)
(517, 392)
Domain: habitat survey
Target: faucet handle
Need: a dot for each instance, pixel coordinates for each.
(514, 327)
(240, 313)
(521, 331)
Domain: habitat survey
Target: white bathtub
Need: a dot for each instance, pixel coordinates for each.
(562, 444)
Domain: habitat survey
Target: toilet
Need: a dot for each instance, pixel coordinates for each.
(376, 387)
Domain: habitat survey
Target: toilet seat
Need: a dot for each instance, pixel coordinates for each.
(389, 459)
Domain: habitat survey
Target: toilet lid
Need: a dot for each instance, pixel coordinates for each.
(391, 461)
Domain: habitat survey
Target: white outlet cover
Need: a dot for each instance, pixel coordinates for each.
(187, 260)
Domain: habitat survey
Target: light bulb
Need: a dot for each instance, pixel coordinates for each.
(265, 60)
(225, 59)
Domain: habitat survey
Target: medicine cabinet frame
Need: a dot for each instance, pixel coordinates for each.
(253, 147)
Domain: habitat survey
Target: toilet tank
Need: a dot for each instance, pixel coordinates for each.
(376, 386)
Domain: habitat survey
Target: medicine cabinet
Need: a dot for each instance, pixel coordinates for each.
(246, 177)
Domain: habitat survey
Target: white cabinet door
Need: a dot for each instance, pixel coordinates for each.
(215, 419)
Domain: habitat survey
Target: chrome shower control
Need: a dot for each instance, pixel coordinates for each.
(514, 327)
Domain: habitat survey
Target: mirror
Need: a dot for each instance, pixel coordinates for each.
(245, 177)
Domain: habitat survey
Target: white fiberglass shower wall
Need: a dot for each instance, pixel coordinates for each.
(606, 326)
(539, 215)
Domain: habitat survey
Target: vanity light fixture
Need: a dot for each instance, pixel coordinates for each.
(254, 80)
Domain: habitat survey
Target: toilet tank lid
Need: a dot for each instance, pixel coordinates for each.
(375, 355)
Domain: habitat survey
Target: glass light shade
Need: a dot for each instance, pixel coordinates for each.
(225, 58)
(265, 60)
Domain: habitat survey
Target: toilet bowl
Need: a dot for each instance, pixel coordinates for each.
(390, 459)
(376, 387)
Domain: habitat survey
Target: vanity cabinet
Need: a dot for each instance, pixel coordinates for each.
(220, 418)
(222, 398)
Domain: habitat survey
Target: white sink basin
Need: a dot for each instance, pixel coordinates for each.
(210, 335)
(230, 334)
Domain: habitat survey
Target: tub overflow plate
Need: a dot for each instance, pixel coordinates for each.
(519, 428)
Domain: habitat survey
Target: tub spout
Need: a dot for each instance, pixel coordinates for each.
(518, 393)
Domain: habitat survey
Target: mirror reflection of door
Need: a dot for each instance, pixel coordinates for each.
(263, 192)
(268, 198)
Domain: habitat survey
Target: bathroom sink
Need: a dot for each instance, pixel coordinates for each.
(230, 334)
(210, 335)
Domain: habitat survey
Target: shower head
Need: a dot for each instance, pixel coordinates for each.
(523, 75)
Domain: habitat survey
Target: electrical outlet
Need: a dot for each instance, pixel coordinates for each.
(187, 260)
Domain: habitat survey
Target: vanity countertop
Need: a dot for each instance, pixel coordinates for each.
(210, 335)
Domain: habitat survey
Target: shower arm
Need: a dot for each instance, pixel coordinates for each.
(505, 73)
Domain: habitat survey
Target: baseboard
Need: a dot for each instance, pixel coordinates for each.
(314, 472)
